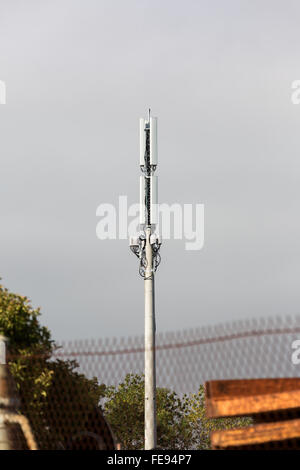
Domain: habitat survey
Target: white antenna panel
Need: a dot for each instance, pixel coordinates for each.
(142, 142)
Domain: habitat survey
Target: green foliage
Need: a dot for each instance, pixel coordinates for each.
(19, 322)
(124, 410)
(54, 396)
(181, 421)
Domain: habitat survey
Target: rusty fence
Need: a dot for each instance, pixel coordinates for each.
(244, 349)
(64, 396)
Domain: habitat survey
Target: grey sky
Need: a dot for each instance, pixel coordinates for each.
(218, 75)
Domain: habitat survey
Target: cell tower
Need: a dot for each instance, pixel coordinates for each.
(146, 247)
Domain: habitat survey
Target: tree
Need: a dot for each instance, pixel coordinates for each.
(54, 396)
(124, 410)
(181, 421)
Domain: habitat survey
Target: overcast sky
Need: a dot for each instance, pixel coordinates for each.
(79, 74)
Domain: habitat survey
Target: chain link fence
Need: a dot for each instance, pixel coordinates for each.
(257, 348)
(65, 414)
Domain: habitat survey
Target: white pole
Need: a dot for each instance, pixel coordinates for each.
(146, 248)
(150, 373)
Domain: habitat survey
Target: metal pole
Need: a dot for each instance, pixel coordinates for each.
(150, 373)
(146, 247)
